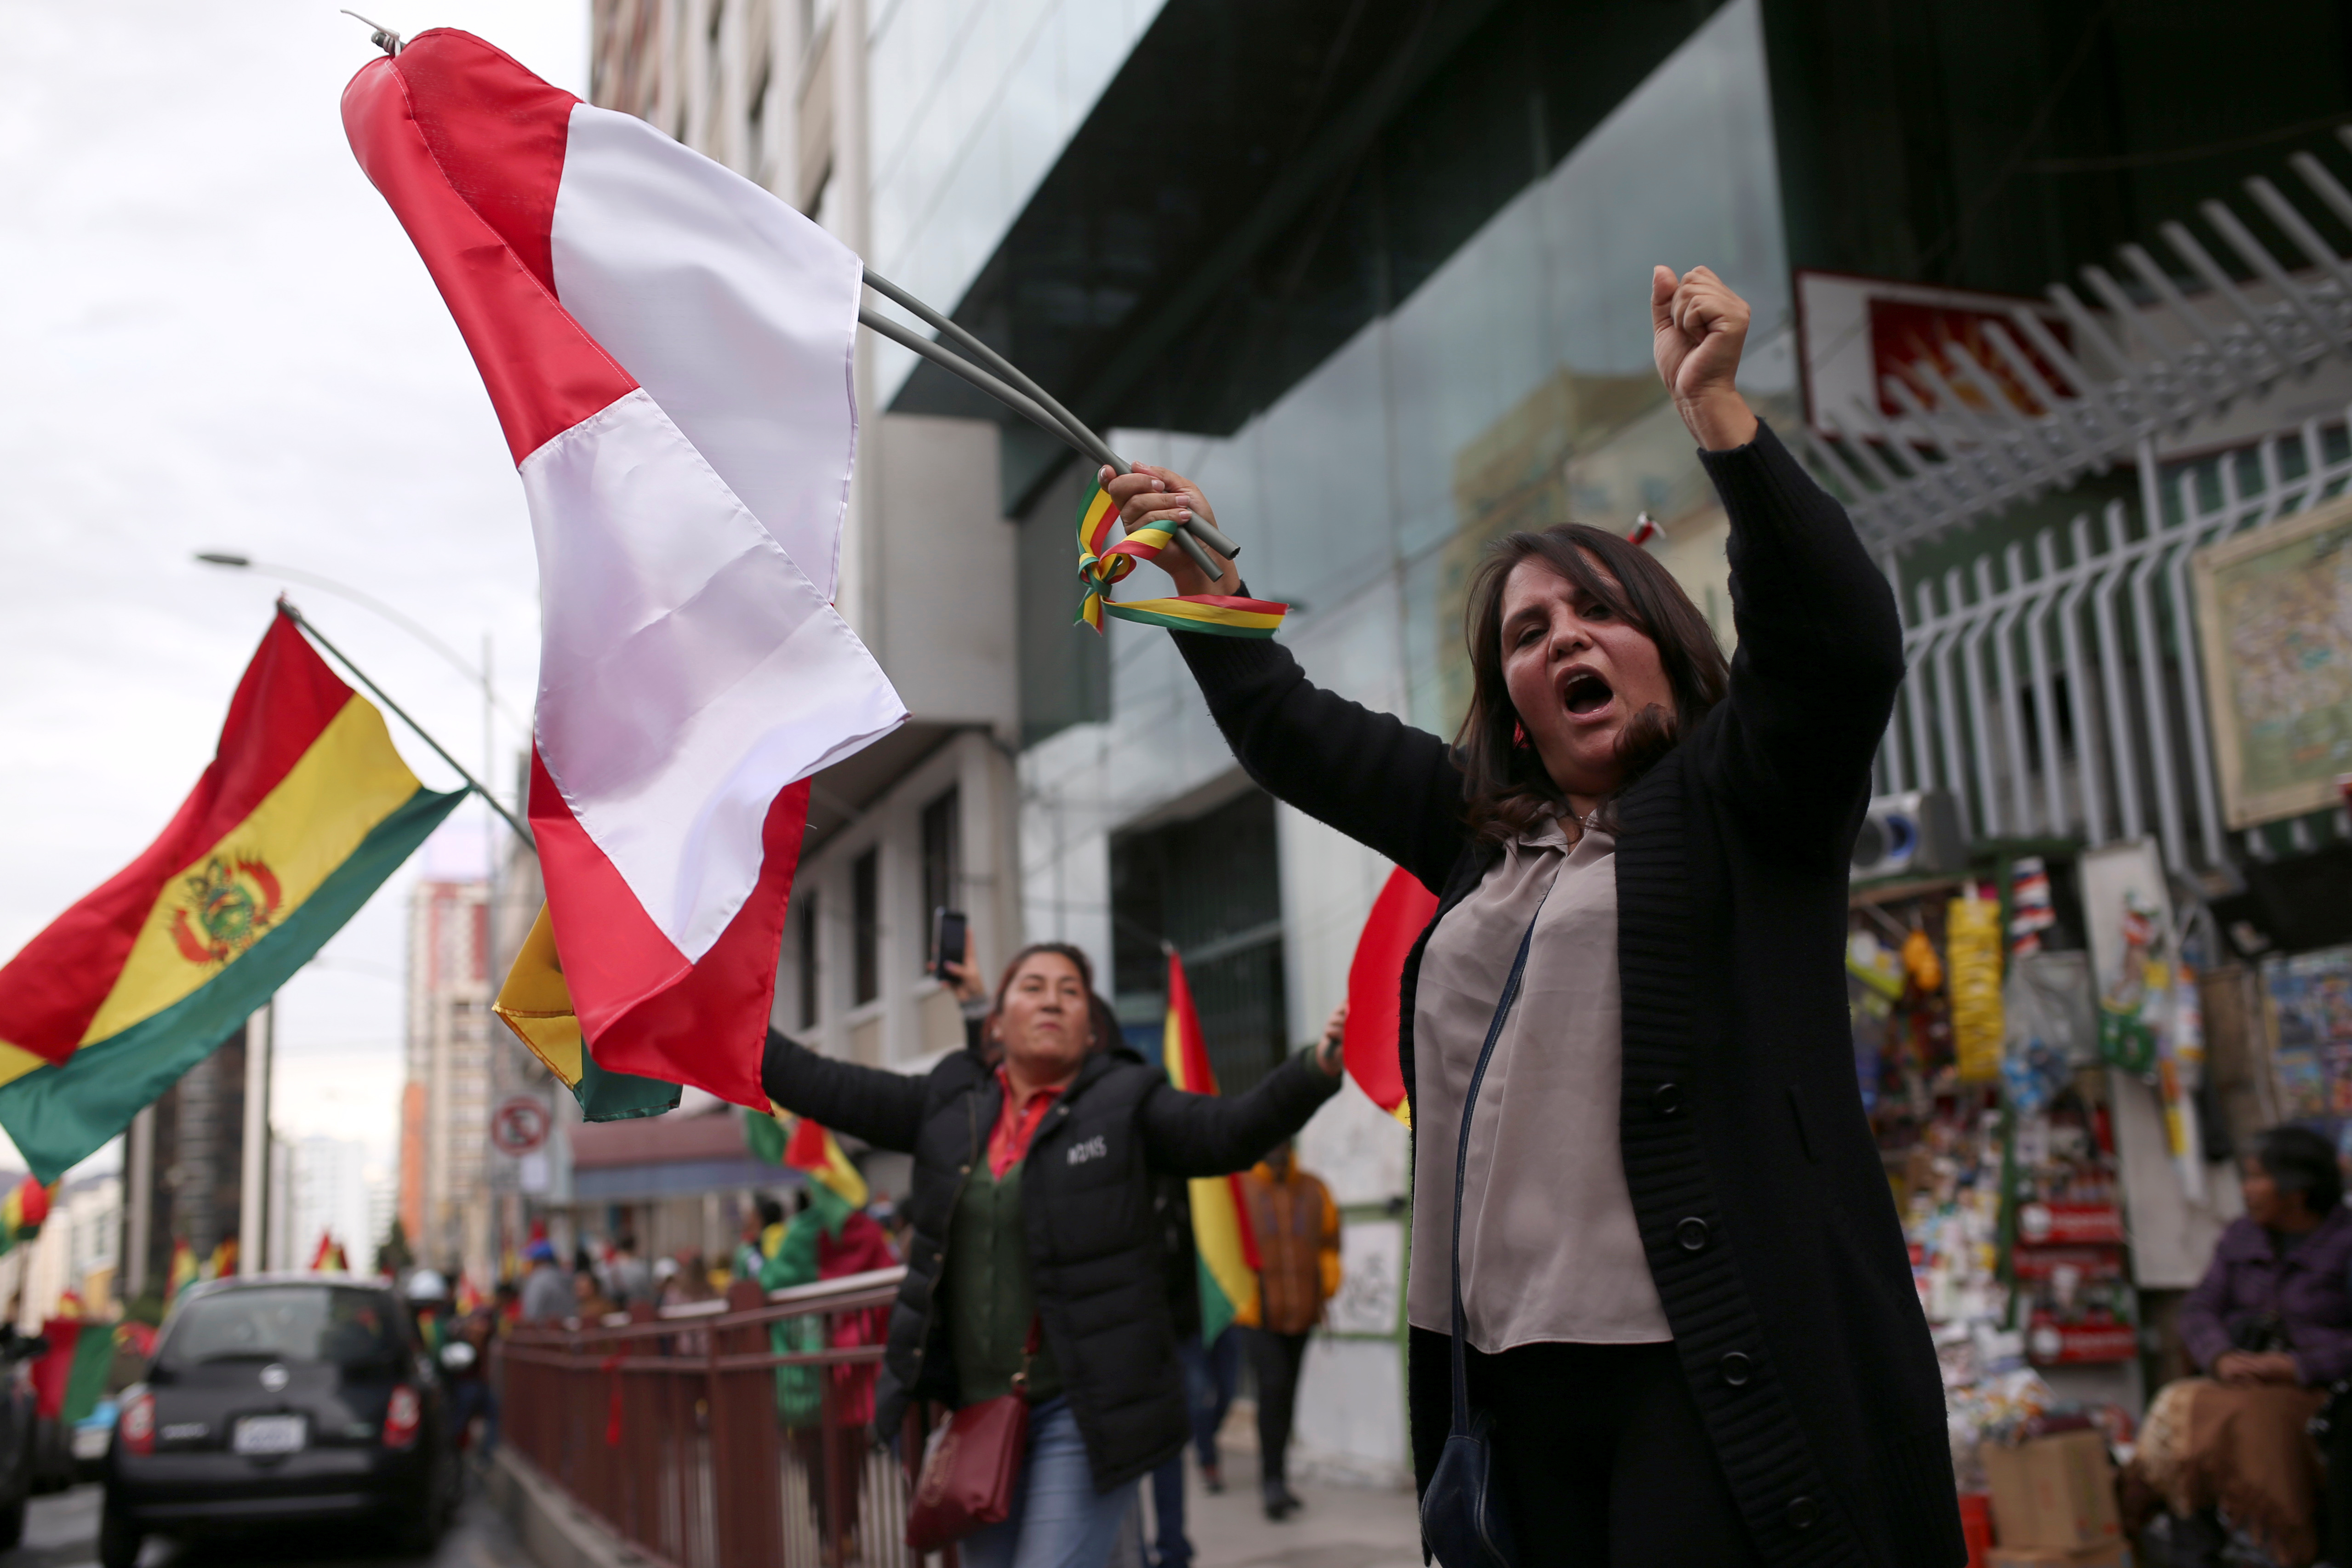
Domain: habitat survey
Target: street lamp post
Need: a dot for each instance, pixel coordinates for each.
(491, 707)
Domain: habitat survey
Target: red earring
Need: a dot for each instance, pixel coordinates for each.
(1520, 735)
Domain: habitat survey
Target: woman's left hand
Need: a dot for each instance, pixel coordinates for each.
(1331, 1055)
(1150, 495)
(1697, 328)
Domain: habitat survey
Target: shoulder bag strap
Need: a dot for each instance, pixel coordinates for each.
(1462, 1165)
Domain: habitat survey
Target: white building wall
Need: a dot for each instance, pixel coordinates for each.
(913, 1018)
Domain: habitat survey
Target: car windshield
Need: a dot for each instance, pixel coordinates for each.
(281, 1322)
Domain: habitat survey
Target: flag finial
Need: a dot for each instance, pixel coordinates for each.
(382, 38)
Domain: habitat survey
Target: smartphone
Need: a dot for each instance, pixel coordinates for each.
(947, 930)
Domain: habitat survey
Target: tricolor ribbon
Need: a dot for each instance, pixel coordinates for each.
(1102, 564)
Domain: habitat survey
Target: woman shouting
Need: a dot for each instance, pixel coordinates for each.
(1688, 1305)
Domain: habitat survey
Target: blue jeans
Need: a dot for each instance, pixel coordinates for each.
(1210, 1374)
(1058, 1520)
(469, 1397)
(1171, 1548)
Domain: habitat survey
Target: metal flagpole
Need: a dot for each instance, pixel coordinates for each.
(287, 606)
(1025, 397)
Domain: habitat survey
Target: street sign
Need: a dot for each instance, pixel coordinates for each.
(521, 1125)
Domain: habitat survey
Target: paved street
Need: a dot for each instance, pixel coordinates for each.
(61, 1532)
(1340, 1527)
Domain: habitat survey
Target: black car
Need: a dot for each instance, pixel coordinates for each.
(19, 1428)
(278, 1398)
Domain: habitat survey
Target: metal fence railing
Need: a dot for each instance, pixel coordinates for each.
(2056, 688)
(728, 1434)
(2180, 339)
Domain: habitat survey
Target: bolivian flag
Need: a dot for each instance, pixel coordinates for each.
(535, 1002)
(1221, 1227)
(304, 812)
(781, 1138)
(23, 1211)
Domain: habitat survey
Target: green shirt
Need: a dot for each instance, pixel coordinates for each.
(990, 1298)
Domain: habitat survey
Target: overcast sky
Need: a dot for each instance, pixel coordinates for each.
(216, 337)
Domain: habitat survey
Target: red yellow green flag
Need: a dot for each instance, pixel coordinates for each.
(798, 1143)
(23, 1211)
(304, 810)
(184, 1270)
(1221, 1226)
(535, 1002)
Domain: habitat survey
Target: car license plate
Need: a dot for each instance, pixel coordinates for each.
(269, 1435)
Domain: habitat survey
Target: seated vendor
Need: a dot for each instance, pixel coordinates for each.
(2271, 1326)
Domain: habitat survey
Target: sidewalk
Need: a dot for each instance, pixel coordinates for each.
(1339, 1527)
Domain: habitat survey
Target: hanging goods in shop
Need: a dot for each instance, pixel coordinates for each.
(1972, 941)
(2131, 1005)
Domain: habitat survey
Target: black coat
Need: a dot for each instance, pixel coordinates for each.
(1091, 1199)
(1762, 1202)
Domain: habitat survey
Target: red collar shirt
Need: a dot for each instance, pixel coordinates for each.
(1016, 1123)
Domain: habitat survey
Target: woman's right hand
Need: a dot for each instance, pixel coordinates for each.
(1152, 495)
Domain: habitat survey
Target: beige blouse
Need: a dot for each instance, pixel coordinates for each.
(1549, 1248)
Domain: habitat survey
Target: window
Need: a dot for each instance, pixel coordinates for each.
(807, 938)
(866, 926)
(942, 862)
(1210, 885)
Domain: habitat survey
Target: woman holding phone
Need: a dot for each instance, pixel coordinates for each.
(1690, 1314)
(1037, 1261)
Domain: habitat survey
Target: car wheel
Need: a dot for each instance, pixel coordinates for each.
(420, 1534)
(119, 1540)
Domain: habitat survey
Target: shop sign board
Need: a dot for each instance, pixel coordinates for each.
(1855, 334)
(2274, 620)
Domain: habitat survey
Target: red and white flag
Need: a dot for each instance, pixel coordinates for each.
(667, 347)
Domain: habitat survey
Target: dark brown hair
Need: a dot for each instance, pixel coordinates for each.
(1505, 784)
(992, 1048)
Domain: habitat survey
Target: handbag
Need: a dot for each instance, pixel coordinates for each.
(970, 1465)
(1463, 1524)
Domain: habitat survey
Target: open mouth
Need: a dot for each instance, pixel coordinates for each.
(1586, 693)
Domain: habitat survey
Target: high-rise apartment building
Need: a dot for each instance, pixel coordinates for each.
(330, 1197)
(445, 1200)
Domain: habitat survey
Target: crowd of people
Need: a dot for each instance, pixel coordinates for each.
(1660, 1308)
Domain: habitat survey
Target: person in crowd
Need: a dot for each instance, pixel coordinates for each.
(628, 1280)
(1690, 1314)
(829, 1238)
(546, 1293)
(1031, 1208)
(2270, 1326)
(428, 1294)
(763, 1231)
(589, 1302)
(1297, 1231)
(471, 1396)
(690, 1280)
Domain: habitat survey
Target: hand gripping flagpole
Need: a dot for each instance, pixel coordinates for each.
(285, 607)
(1025, 397)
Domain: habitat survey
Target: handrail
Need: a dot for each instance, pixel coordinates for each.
(707, 1436)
